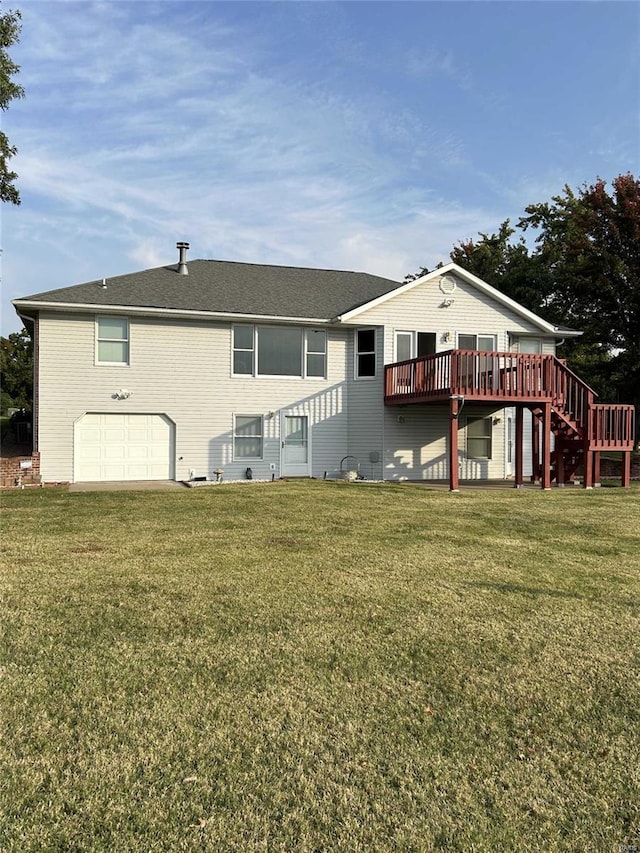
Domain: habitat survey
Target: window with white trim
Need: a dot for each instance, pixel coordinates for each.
(479, 434)
(484, 343)
(414, 344)
(247, 437)
(279, 351)
(243, 350)
(316, 353)
(112, 340)
(365, 353)
(530, 345)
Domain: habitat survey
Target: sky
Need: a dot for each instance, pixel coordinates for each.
(369, 136)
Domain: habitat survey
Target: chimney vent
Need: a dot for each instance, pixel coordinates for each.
(182, 262)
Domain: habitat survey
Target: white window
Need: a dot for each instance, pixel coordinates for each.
(247, 437)
(316, 353)
(112, 340)
(484, 343)
(414, 344)
(533, 345)
(479, 432)
(365, 353)
(243, 349)
(279, 351)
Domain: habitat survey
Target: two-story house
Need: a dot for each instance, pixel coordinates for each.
(182, 370)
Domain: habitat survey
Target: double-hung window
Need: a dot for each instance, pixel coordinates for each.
(365, 353)
(243, 350)
(316, 353)
(279, 351)
(247, 437)
(479, 432)
(112, 340)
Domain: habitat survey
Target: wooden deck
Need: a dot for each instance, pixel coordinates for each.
(560, 401)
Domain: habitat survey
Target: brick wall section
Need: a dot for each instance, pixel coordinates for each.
(11, 473)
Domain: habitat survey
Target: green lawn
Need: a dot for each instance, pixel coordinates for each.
(319, 666)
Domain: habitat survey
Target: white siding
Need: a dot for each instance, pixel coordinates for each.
(413, 439)
(182, 370)
(421, 309)
(366, 410)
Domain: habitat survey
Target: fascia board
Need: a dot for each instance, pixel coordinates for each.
(92, 307)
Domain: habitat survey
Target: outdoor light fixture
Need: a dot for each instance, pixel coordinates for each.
(122, 394)
(460, 399)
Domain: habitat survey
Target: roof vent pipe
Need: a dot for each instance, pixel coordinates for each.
(182, 262)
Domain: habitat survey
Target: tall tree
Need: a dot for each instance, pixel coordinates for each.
(16, 370)
(582, 271)
(9, 90)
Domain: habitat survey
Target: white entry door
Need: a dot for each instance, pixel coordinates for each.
(123, 447)
(296, 451)
(510, 443)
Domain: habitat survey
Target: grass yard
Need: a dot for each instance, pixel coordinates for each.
(320, 667)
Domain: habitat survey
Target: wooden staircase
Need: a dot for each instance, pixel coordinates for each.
(563, 406)
(583, 429)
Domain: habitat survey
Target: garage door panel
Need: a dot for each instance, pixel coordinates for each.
(112, 452)
(123, 447)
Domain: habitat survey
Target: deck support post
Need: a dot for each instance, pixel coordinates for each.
(454, 411)
(535, 448)
(596, 469)
(587, 480)
(559, 463)
(519, 447)
(626, 470)
(546, 447)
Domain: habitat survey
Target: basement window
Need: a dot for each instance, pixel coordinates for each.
(479, 434)
(247, 437)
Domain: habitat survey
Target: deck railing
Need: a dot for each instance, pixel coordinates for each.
(612, 426)
(512, 377)
(474, 373)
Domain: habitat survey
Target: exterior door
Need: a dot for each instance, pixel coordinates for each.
(295, 449)
(510, 443)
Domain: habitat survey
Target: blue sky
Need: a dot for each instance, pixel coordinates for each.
(354, 135)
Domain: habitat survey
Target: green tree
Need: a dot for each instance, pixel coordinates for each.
(583, 271)
(9, 90)
(16, 370)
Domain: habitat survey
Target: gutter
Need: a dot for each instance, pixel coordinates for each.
(93, 308)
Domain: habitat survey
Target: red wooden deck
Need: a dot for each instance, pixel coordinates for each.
(560, 400)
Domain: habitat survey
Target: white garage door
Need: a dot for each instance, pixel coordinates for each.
(123, 447)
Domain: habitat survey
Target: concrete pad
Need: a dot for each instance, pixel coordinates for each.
(133, 486)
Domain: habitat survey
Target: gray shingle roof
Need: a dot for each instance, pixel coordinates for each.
(230, 287)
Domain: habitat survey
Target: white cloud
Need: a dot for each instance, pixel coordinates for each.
(146, 123)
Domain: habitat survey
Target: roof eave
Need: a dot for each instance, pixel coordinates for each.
(179, 313)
